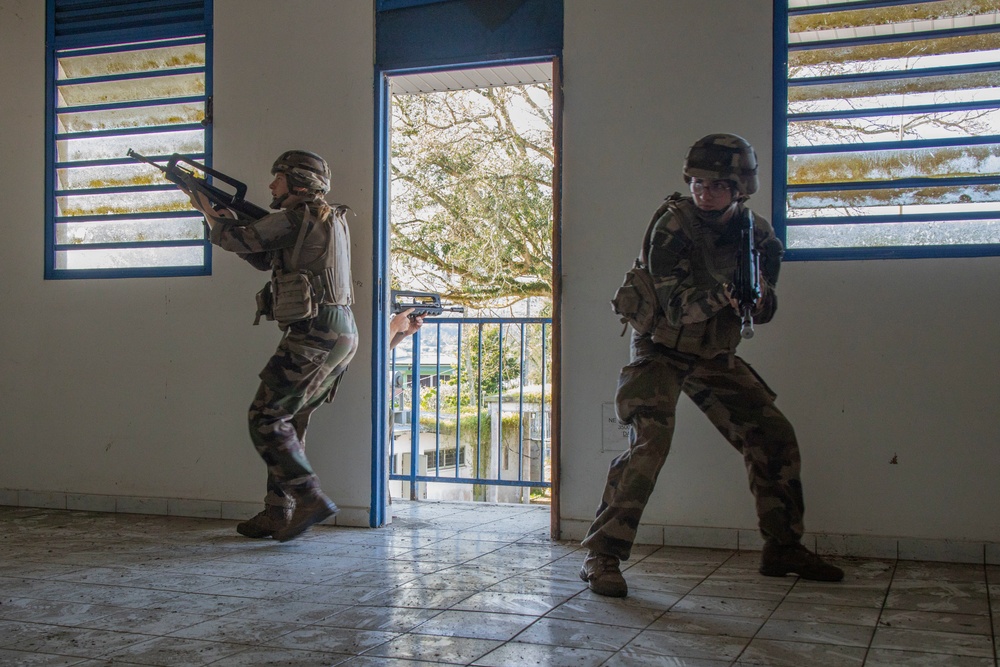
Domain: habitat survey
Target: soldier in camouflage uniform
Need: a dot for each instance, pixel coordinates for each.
(691, 258)
(308, 234)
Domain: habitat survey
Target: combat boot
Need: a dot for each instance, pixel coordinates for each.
(311, 507)
(266, 522)
(777, 561)
(603, 576)
(276, 514)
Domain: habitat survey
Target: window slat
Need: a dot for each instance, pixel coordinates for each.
(122, 16)
(892, 117)
(128, 74)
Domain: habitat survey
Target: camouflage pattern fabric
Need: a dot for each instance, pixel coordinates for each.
(327, 243)
(273, 231)
(304, 372)
(303, 169)
(308, 365)
(740, 406)
(691, 257)
(726, 157)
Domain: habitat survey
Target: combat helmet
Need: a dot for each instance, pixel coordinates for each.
(723, 157)
(303, 169)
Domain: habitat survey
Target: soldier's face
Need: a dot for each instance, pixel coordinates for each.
(714, 195)
(279, 186)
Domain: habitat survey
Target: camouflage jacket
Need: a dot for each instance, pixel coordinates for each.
(269, 243)
(691, 259)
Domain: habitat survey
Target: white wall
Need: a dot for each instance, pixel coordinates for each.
(131, 394)
(139, 387)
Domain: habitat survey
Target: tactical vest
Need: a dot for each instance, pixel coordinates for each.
(325, 243)
(712, 262)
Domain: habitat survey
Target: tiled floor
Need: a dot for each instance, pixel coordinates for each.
(454, 584)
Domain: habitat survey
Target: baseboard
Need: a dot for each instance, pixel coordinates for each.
(355, 517)
(860, 546)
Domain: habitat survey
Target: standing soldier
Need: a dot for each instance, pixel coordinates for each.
(306, 246)
(692, 256)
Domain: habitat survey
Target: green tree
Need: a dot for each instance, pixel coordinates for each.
(482, 366)
(472, 219)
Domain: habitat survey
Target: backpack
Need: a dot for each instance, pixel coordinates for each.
(635, 301)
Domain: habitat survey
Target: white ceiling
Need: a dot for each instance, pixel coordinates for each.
(465, 79)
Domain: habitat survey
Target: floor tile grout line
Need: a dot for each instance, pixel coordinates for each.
(670, 607)
(640, 630)
(989, 606)
(881, 611)
(784, 597)
(504, 544)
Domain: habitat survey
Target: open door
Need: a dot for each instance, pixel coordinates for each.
(468, 206)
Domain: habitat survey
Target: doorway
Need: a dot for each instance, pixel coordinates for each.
(468, 209)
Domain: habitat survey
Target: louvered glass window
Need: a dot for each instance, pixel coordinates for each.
(110, 216)
(892, 112)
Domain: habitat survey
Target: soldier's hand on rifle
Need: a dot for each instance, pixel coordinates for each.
(406, 322)
(735, 303)
(223, 212)
(186, 180)
(212, 212)
(200, 202)
(402, 325)
(727, 289)
(189, 186)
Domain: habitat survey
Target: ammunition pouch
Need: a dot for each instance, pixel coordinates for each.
(294, 297)
(636, 300)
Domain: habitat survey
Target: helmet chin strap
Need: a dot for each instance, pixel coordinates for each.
(276, 202)
(715, 216)
(290, 199)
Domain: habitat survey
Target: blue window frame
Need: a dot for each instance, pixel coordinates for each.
(887, 128)
(387, 5)
(125, 74)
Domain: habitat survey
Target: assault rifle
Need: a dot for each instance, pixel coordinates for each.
(177, 176)
(423, 303)
(746, 281)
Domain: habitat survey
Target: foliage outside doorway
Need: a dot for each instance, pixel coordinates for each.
(471, 218)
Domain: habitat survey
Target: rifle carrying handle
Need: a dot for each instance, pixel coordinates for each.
(239, 186)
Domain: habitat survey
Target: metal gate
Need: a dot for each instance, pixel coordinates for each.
(471, 410)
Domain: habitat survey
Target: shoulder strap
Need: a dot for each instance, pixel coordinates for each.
(276, 254)
(644, 252)
(306, 221)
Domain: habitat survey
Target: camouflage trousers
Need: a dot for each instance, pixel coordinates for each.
(304, 372)
(740, 406)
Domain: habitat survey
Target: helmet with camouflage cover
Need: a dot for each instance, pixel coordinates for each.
(724, 157)
(303, 169)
